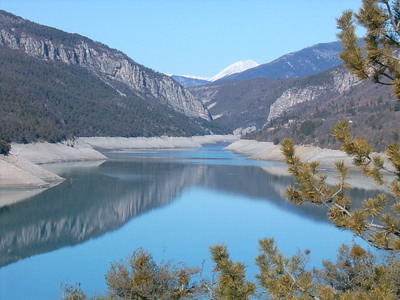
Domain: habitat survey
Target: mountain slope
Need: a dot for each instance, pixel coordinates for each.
(304, 108)
(42, 100)
(241, 104)
(371, 109)
(111, 66)
(308, 61)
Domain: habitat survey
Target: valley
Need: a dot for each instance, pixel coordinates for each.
(72, 87)
(101, 155)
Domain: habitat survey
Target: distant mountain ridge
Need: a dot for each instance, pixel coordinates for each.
(238, 105)
(111, 66)
(308, 61)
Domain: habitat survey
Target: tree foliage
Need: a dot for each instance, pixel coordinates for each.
(71, 292)
(140, 277)
(378, 220)
(378, 58)
(355, 274)
(232, 283)
(4, 147)
(282, 277)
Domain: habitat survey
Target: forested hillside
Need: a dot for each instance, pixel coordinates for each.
(53, 101)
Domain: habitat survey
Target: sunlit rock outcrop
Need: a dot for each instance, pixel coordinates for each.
(338, 82)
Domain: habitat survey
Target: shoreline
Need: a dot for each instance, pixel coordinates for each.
(22, 176)
(21, 173)
(267, 151)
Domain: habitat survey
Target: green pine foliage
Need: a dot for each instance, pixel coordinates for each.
(378, 220)
(232, 283)
(282, 277)
(377, 59)
(355, 274)
(140, 277)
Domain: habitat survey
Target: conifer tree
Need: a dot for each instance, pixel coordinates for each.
(378, 220)
(140, 277)
(378, 58)
(232, 283)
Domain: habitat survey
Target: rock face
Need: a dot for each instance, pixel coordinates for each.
(338, 81)
(111, 66)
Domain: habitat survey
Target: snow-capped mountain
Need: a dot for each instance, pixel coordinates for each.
(237, 67)
(191, 81)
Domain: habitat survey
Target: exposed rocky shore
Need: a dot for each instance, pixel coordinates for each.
(270, 152)
(267, 151)
(22, 175)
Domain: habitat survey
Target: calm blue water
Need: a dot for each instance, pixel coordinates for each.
(174, 203)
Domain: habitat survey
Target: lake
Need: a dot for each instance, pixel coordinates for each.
(174, 203)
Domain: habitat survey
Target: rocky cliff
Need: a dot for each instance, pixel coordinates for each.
(111, 66)
(337, 81)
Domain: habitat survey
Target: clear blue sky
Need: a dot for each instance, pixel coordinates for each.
(192, 37)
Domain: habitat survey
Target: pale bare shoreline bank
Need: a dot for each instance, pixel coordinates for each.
(21, 173)
(267, 151)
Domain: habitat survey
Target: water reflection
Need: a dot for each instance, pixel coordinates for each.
(98, 199)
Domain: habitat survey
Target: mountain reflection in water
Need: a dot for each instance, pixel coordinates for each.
(95, 200)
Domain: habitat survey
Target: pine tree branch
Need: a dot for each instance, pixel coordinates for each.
(297, 284)
(391, 17)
